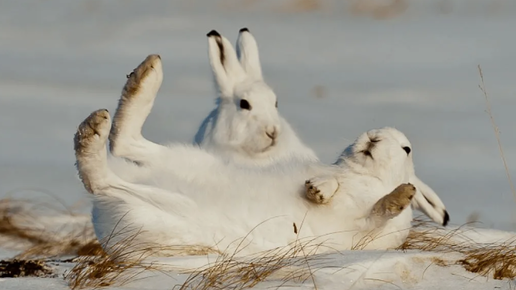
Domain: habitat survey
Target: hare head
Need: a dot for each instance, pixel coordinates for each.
(387, 153)
(381, 152)
(425, 200)
(246, 118)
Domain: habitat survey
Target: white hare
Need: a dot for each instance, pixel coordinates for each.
(240, 127)
(191, 196)
(208, 208)
(246, 125)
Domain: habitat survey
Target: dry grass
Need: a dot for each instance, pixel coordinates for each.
(426, 236)
(283, 265)
(109, 269)
(123, 261)
(496, 260)
(19, 225)
(496, 130)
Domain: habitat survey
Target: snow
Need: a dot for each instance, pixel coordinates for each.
(417, 72)
(346, 270)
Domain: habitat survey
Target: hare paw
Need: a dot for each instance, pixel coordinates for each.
(321, 189)
(395, 202)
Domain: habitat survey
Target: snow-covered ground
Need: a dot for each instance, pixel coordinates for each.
(417, 72)
(342, 270)
(348, 270)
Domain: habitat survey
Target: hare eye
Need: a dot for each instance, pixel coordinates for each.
(244, 104)
(407, 149)
(276, 104)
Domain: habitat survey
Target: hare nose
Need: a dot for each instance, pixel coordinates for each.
(272, 134)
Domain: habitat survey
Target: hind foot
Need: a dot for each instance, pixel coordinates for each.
(90, 148)
(135, 104)
(145, 78)
(92, 133)
(394, 203)
(321, 189)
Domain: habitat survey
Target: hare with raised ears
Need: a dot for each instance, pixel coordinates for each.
(245, 126)
(236, 130)
(370, 210)
(136, 103)
(190, 196)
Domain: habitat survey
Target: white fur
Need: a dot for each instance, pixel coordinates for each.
(229, 130)
(240, 134)
(223, 133)
(196, 198)
(425, 200)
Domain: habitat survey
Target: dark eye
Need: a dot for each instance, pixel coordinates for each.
(245, 105)
(407, 149)
(276, 104)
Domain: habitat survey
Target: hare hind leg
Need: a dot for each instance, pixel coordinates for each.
(90, 151)
(91, 157)
(134, 106)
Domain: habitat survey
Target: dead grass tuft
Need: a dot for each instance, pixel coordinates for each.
(107, 270)
(19, 225)
(123, 261)
(285, 264)
(426, 236)
(496, 260)
(9, 227)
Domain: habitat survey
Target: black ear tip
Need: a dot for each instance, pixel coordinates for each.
(446, 218)
(213, 33)
(244, 30)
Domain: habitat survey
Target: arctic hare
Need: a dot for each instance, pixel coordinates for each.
(191, 196)
(236, 128)
(245, 126)
(207, 207)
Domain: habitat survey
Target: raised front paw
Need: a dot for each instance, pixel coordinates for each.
(395, 202)
(321, 189)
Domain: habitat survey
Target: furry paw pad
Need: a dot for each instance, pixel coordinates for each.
(321, 189)
(395, 202)
(139, 77)
(92, 132)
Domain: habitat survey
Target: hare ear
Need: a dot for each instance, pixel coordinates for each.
(247, 51)
(427, 201)
(227, 71)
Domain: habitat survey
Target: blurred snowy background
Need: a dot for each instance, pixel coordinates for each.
(338, 67)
